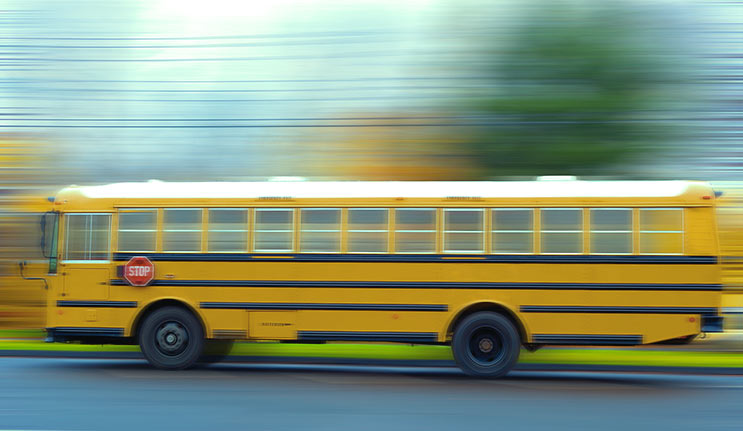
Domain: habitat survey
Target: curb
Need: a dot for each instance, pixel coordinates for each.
(236, 359)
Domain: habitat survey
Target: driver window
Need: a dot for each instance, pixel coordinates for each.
(87, 237)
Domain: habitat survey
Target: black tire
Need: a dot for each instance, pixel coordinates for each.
(216, 351)
(486, 344)
(171, 338)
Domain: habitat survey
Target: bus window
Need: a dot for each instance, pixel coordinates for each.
(274, 230)
(463, 230)
(367, 230)
(321, 230)
(182, 230)
(661, 231)
(137, 230)
(415, 230)
(228, 230)
(88, 237)
(611, 231)
(513, 231)
(562, 231)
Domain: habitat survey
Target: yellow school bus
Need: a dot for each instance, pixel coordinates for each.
(486, 267)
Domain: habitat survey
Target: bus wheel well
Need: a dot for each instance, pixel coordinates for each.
(152, 307)
(488, 306)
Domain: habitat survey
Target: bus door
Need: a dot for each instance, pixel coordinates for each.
(86, 267)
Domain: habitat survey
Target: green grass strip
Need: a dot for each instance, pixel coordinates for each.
(21, 333)
(587, 356)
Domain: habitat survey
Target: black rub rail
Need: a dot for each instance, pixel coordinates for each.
(396, 337)
(316, 306)
(616, 310)
(429, 285)
(98, 304)
(441, 258)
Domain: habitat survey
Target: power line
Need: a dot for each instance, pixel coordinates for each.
(254, 90)
(209, 37)
(412, 117)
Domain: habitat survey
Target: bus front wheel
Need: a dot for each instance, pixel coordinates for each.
(486, 344)
(171, 338)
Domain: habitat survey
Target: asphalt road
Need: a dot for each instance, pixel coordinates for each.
(88, 394)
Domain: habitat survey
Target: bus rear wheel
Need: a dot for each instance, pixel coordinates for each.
(486, 344)
(171, 338)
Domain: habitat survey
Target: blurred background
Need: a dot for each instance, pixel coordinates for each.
(99, 92)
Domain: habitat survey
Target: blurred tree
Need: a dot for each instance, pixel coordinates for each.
(577, 90)
(387, 149)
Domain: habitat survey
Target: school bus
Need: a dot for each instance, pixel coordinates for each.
(486, 267)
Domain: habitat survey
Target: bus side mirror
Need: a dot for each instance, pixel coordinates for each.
(42, 242)
(46, 247)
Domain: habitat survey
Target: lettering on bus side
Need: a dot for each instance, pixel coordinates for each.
(139, 271)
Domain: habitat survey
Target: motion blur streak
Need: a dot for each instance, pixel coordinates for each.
(184, 90)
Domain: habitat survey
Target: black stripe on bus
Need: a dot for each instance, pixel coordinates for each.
(588, 339)
(617, 310)
(452, 258)
(430, 285)
(396, 337)
(98, 304)
(85, 332)
(314, 306)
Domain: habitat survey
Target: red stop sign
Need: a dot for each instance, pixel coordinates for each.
(139, 271)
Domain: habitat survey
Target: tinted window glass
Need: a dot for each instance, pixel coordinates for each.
(661, 231)
(321, 230)
(137, 230)
(274, 230)
(611, 231)
(182, 230)
(88, 236)
(228, 230)
(512, 230)
(415, 230)
(463, 230)
(562, 231)
(367, 230)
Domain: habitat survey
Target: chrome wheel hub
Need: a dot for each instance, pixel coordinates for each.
(486, 345)
(172, 338)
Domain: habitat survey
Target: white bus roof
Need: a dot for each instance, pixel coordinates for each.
(385, 189)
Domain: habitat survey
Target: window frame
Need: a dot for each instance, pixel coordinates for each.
(339, 231)
(533, 231)
(631, 232)
(293, 230)
(483, 214)
(119, 211)
(209, 230)
(434, 230)
(641, 232)
(581, 231)
(200, 230)
(66, 238)
(387, 231)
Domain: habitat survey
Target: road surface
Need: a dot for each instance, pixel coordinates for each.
(89, 394)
